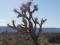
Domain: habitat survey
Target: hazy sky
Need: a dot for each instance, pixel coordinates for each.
(49, 9)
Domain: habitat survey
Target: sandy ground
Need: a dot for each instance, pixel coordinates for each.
(54, 44)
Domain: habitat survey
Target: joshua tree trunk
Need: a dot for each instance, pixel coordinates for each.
(35, 41)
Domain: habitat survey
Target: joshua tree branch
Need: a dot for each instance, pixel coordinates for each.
(40, 29)
(35, 9)
(14, 26)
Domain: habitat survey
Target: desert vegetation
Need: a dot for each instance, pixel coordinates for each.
(29, 25)
(26, 33)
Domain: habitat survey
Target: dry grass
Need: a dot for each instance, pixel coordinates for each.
(42, 39)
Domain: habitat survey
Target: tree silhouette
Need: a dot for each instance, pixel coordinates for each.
(28, 24)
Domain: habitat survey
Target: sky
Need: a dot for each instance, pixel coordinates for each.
(49, 9)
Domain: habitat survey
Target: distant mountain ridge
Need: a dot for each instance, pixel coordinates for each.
(8, 29)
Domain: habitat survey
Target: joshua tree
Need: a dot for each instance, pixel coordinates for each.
(28, 21)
